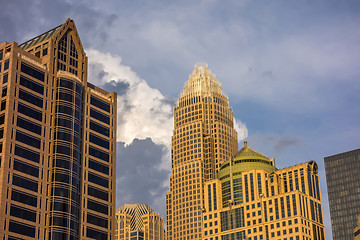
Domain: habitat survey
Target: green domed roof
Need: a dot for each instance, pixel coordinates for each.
(244, 160)
(247, 153)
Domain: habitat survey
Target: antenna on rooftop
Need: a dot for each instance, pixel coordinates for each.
(245, 140)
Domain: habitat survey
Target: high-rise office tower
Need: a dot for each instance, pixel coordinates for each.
(57, 142)
(343, 182)
(251, 199)
(357, 230)
(203, 137)
(138, 222)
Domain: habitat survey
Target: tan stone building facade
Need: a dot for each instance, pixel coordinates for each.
(251, 199)
(203, 137)
(138, 222)
(57, 144)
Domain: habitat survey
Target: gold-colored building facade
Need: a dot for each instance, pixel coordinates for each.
(138, 222)
(203, 137)
(58, 140)
(251, 199)
(357, 230)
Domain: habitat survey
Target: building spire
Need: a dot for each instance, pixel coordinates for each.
(245, 141)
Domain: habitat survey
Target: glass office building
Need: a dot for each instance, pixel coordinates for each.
(57, 142)
(343, 182)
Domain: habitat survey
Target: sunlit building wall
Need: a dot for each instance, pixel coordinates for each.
(57, 142)
(138, 222)
(251, 199)
(357, 230)
(203, 137)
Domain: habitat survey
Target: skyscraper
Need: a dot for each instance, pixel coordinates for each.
(203, 137)
(357, 230)
(138, 222)
(251, 199)
(58, 139)
(343, 182)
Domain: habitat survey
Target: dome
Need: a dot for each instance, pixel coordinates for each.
(244, 160)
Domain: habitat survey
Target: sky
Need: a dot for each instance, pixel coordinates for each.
(290, 69)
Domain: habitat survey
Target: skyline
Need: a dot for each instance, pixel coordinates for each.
(290, 71)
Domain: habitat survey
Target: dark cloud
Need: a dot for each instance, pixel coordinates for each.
(140, 179)
(21, 20)
(268, 73)
(274, 143)
(120, 87)
(285, 142)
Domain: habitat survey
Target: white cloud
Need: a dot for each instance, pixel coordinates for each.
(241, 129)
(142, 111)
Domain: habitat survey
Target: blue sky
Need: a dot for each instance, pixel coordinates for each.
(290, 68)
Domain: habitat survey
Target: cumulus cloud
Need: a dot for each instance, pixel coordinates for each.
(142, 111)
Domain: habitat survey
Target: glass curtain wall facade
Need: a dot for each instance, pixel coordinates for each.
(203, 137)
(343, 182)
(58, 136)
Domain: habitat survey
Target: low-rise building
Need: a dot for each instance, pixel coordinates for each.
(138, 222)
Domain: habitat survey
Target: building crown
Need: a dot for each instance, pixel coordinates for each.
(202, 83)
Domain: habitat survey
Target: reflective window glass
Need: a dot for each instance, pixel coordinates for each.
(32, 99)
(30, 112)
(32, 85)
(32, 72)
(100, 104)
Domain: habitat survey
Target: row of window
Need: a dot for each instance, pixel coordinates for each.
(25, 183)
(96, 220)
(28, 125)
(65, 83)
(99, 141)
(95, 152)
(100, 104)
(32, 85)
(64, 191)
(21, 228)
(30, 112)
(101, 181)
(27, 153)
(30, 98)
(99, 128)
(99, 116)
(26, 168)
(23, 213)
(35, 73)
(96, 234)
(6, 65)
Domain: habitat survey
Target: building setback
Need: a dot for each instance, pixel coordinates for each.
(57, 142)
(343, 183)
(138, 222)
(203, 137)
(251, 199)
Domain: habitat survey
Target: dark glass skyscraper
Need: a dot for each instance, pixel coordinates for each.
(57, 142)
(343, 182)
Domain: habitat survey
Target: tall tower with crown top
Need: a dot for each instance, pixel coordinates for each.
(57, 142)
(203, 138)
